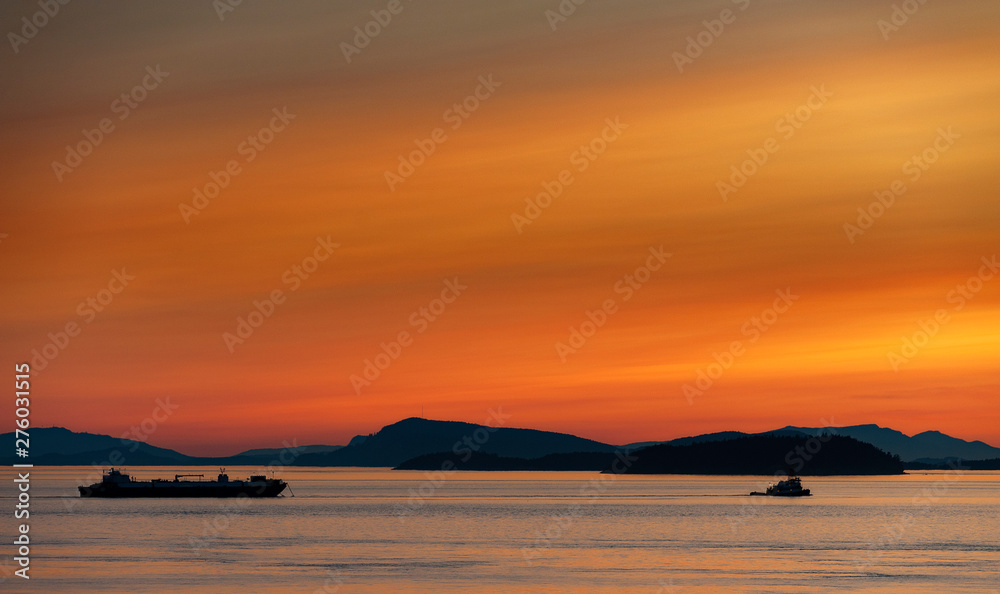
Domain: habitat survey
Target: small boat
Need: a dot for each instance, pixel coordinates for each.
(790, 487)
(116, 483)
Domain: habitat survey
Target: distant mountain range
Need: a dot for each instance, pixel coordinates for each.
(55, 446)
(407, 439)
(396, 443)
(929, 445)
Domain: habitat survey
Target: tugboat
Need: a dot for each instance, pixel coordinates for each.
(116, 483)
(791, 487)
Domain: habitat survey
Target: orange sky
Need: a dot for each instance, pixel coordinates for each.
(824, 360)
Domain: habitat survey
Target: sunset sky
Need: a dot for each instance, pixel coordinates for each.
(838, 104)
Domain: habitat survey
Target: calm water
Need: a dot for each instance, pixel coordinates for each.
(349, 530)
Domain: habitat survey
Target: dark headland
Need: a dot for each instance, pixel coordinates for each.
(428, 444)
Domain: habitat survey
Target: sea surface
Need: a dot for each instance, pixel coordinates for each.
(378, 530)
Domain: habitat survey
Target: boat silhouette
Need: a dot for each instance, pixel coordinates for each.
(116, 483)
(790, 487)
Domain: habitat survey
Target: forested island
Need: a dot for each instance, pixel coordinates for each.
(768, 454)
(751, 455)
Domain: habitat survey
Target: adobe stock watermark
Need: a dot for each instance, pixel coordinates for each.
(47, 10)
(562, 12)
(131, 439)
(223, 7)
(420, 319)
(929, 328)
(914, 169)
(231, 510)
(455, 115)
(292, 278)
(141, 432)
(627, 287)
(796, 459)
(560, 524)
(462, 450)
(123, 107)
(364, 34)
(920, 505)
(753, 328)
(246, 151)
(787, 126)
(87, 309)
(579, 160)
(334, 580)
(712, 30)
(899, 16)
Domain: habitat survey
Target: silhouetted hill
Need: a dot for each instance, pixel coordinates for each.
(123, 457)
(55, 446)
(752, 454)
(60, 441)
(274, 452)
(929, 444)
(480, 461)
(409, 438)
(718, 436)
(932, 464)
(767, 454)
